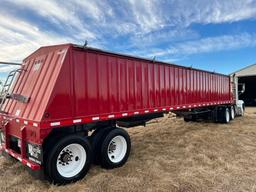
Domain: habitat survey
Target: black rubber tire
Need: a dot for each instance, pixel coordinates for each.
(96, 139)
(105, 161)
(224, 113)
(50, 165)
(191, 118)
(232, 116)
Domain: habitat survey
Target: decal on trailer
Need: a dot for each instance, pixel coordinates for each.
(17, 112)
(37, 65)
(63, 52)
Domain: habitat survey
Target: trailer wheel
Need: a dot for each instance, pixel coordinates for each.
(69, 160)
(115, 149)
(97, 138)
(190, 118)
(232, 113)
(225, 115)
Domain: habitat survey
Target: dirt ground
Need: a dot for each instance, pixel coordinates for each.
(170, 155)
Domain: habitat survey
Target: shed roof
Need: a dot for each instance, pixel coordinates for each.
(247, 71)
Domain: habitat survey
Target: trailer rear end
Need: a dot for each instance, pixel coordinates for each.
(66, 106)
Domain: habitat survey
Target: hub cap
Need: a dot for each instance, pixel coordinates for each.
(71, 160)
(117, 149)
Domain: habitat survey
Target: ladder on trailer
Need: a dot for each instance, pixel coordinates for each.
(6, 89)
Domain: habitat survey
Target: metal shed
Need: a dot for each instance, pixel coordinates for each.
(247, 76)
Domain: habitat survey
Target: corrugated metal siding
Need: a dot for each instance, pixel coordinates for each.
(108, 84)
(36, 83)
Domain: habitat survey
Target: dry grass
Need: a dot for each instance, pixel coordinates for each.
(167, 156)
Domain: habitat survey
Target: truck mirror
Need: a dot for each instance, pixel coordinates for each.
(241, 88)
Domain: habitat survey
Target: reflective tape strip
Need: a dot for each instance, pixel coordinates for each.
(31, 165)
(111, 116)
(17, 120)
(77, 121)
(25, 122)
(103, 117)
(55, 123)
(95, 118)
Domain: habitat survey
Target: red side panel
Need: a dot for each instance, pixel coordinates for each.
(98, 84)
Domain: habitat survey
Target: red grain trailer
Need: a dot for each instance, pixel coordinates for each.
(63, 92)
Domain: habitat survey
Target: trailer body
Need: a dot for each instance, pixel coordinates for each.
(68, 86)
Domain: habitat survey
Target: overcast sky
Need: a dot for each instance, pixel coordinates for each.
(216, 35)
